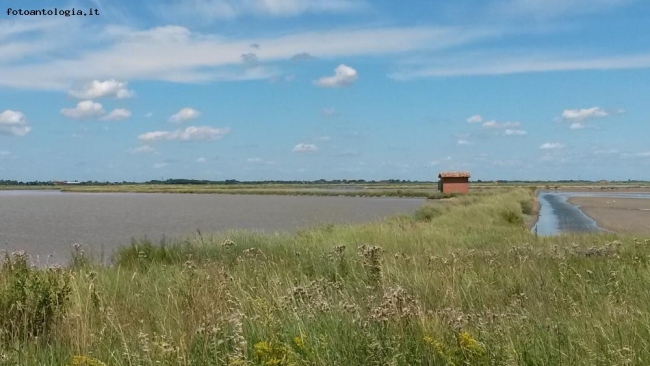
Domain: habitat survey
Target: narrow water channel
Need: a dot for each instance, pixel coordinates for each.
(557, 215)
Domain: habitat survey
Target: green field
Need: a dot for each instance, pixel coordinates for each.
(462, 282)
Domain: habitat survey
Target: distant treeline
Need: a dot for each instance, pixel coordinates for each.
(320, 181)
(203, 181)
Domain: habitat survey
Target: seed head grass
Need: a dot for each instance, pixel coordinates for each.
(463, 283)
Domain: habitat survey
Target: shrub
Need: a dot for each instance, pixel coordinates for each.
(32, 300)
(512, 217)
(527, 207)
(428, 213)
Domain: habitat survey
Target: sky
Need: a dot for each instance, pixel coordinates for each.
(325, 89)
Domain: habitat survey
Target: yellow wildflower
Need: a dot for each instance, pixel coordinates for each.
(299, 341)
(262, 349)
(86, 361)
(468, 343)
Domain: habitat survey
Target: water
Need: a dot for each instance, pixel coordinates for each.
(557, 215)
(47, 223)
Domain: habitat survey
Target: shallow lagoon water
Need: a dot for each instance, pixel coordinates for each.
(557, 215)
(47, 223)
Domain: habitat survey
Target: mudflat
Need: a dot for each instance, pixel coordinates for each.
(625, 215)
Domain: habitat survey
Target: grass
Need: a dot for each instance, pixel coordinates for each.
(462, 283)
(373, 191)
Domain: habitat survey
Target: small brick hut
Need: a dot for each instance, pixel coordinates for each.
(453, 182)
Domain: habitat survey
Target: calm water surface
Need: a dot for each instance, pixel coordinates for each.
(47, 223)
(556, 215)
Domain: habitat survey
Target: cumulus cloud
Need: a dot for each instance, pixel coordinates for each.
(463, 142)
(510, 132)
(184, 115)
(343, 76)
(117, 114)
(475, 119)
(192, 133)
(255, 160)
(84, 110)
(13, 123)
(305, 148)
(141, 149)
(495, 124)
(98, 89)
(201, 160)
(577, 126)
(578, 115)
(551, 146)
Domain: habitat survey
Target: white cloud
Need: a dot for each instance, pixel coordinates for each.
(305, 148)
(578, 115)
(13, 123)
(175, 54)
(643, 154)
(510, 132)
(192, 133)
(160, 165)
(184, 115)
(231, 9)
(503, 64)
(201, 160)
(255, 160)
(551, 146)
(495, 124)
(141, 149)
(98, 89)
(323, 138)
(343, 76)
(84, 109)
(148, 115)
(117, 114)
(464, 142)
(475, 119)
(577, 126)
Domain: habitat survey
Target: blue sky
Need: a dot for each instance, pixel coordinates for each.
(336, 89)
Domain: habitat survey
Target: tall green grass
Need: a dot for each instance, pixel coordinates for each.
(462, 283)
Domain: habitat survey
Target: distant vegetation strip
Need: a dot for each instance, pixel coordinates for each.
(461, 282)
(423, 193)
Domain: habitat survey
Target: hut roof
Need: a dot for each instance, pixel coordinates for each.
(454, 175)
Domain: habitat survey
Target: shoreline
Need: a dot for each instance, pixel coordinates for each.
(622, 215)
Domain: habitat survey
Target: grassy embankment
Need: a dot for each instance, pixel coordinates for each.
(459, 283)
(297, 190)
